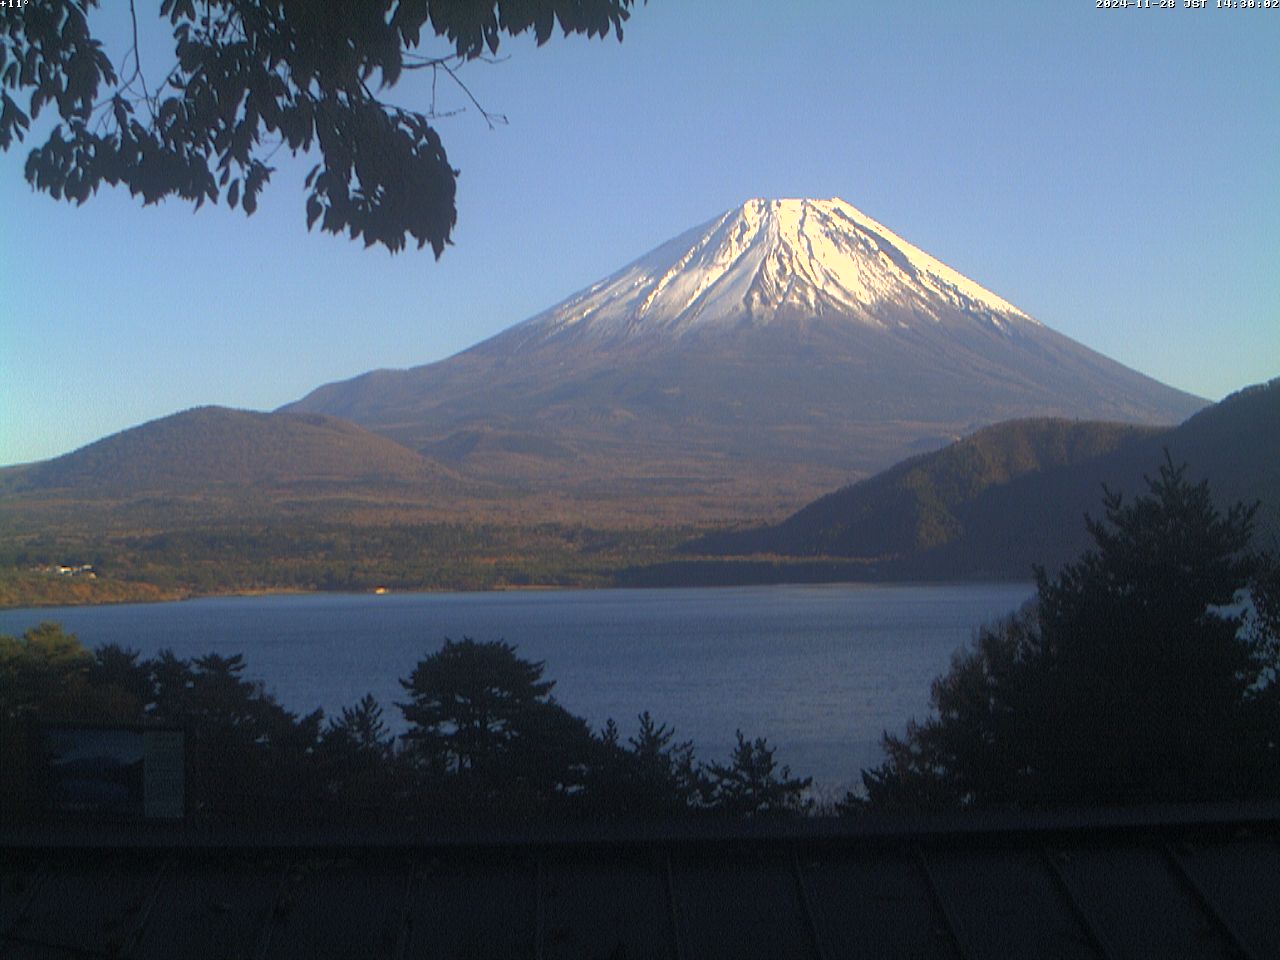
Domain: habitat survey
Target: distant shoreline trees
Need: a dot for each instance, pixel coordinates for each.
(1146, 671)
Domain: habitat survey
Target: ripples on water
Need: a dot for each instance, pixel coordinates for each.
(821, 671)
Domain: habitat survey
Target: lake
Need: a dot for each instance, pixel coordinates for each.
(821, 671)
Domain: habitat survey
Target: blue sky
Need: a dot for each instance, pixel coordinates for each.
(1111, 172)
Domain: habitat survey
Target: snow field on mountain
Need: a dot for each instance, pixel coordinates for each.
(821, 256)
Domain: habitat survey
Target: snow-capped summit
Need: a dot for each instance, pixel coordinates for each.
(771, 259)
(746, 366)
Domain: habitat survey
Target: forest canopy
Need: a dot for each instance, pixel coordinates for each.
(1146, 671)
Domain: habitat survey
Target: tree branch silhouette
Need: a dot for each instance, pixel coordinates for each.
(252, 76)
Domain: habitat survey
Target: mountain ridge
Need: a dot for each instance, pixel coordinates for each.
(949, 513)
(223, 446)
(669, 368)
(912, 507)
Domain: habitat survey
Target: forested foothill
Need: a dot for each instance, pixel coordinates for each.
(214, 501)
(258, 556)
(1144, 671)
(1011, 495)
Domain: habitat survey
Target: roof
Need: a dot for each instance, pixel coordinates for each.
(1168, 882)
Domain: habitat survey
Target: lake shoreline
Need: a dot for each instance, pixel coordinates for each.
(147, 594)
(821, 670)
(44, 590)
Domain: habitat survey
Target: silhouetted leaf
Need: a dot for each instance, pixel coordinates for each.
(390, 178)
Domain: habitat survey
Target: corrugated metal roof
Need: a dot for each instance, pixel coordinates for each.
(1188, 882)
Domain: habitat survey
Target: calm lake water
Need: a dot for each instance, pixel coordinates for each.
(820, 671)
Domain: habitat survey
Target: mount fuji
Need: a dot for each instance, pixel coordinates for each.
(777, 351)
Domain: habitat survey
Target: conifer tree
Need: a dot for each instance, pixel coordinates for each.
(1139, 674)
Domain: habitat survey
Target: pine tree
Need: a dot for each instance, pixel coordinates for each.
(751, 785)
(1139, 674)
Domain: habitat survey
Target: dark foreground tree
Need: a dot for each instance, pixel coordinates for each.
(361, 772)
(250, 76)
(470, 703)
(752, 785)
(485, 728)
(486, 744)
(44, 668)
(1139, 674)
(652, 776)
(248, 758)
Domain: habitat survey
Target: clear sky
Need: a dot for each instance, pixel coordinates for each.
(1114, 173)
